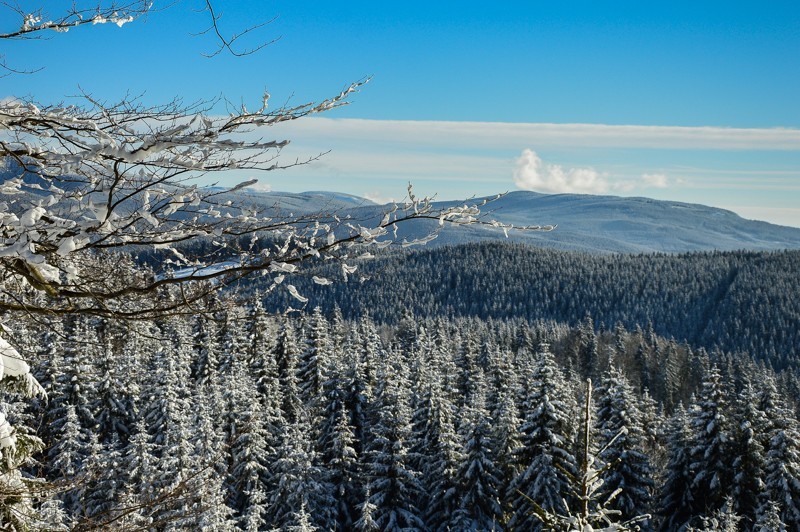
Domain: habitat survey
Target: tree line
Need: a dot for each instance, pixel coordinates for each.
(241, 420)
(736, 301)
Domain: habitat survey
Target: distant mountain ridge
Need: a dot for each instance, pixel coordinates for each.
(597, 224)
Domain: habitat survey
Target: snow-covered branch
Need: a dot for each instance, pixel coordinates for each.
(33, 23)
(89, 190)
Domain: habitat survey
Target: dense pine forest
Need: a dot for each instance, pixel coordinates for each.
(243, 420)
(183, 349)
(735, 301)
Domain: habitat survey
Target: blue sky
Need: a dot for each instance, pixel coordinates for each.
(471, 99)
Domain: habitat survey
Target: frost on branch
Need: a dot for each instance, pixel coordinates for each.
(15, 448)
(81, 181)
(98, 202)
(33, 23)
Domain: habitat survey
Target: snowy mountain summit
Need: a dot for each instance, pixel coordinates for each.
(598, 224)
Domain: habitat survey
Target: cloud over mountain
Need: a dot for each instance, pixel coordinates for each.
(532, 173)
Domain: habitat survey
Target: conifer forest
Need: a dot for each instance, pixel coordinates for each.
(245, 419)
(188, 343)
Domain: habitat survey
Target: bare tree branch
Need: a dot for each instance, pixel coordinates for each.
(227, 43)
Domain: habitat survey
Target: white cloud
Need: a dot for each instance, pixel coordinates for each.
(623, 187)
(531, 173)
(261, 187)
(378, 198)
(655, 180)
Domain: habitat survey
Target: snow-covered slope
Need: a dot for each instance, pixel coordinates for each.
(585, 222)
(615, 224)
(303, 202)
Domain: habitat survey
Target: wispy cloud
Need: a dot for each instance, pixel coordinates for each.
(655, 180)
(492, 135)
(454, 160)
(532, 173)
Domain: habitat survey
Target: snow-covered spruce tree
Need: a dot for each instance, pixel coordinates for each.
(712, 446)
(546, 456)
(422, 382)
(287, 358)
(769, 519)
(88, 187)
(296, 482)
(507, 445)
(590, 509)
(248, 447)
(750, 436)
(442, 456)
(67, 459)
(167, 413)
(675, 500)
(104, 489)
(478, 477)
(394, 488)
(724, 519)
(336, 439)
(260, 335)
(370, 351)
(232, 337)
(263, 368)
(621, 435)
(206, 359)
(76, 376)
(782, 468)
(141, 475)
(315, 355)
(207, 469)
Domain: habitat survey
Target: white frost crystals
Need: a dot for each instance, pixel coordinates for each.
(295, 294)
(78, 182)
(33, 22)
(88, 190)
(11, 362)
(7, 437)
(12, 365)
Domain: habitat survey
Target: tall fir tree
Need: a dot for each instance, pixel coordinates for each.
(69, 461)
(712, 450)
(296, 482)
(621, 438)
(442, 450)
(782, 468)
(478, 478)
(287, 358)
(750, 437)
(395, 488)
(140, 477)
(546, 454)
(249, 449)
(675, 499)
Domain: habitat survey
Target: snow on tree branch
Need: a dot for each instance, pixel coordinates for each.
(88, 187)
(33, 23)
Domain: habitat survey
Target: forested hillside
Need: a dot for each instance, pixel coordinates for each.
(250, 422)
(182, 349)
(737, 301)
